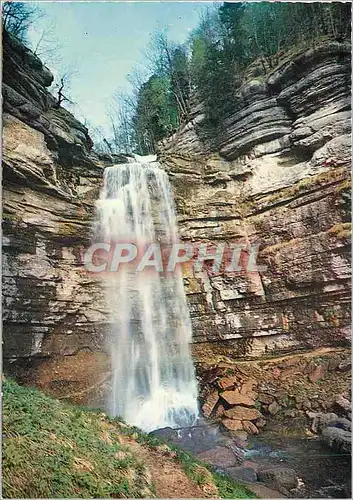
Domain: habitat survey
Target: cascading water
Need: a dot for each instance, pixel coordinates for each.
(154, 383)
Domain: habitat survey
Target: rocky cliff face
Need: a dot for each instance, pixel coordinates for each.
(276, 174)
(53, 312)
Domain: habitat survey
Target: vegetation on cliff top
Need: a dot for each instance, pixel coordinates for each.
(214, 62)
(232, 43)
(56, 450)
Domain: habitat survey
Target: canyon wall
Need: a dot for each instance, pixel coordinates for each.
(275, 174)
(53, 311)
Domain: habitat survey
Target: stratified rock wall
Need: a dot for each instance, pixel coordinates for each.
(52, 308)
(276, 175)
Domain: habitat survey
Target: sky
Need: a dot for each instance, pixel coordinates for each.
(104, 41)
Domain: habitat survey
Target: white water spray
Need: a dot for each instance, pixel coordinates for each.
(154, 382)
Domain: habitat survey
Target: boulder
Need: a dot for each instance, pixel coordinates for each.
(166, 434)
(227, 383)
(262, 491)
(279, 477)
(321, 420)
(243, 413)
(243, 474)
(341, 423)
(219, 411)
(266, 399)
(249, 427)
(273, 408)
(260, 423)
(234, 398)
(219, 456)
(232, 425)
(210, 403)
(337, 439)
(343, 403)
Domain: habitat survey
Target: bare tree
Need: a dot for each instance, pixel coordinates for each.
(47, 47)
(120, 114)
(17, 17)
(62, 85)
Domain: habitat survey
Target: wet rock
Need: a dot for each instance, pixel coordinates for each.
(166, 434)
(338, 440)
(219, 456)
(321, 420)
(210, 403)
(262, 491)
(242, 413)
(333, 491)
(250, 427)
(279, 477)
(234, 398)
(243, 474)
(341, 423)
(240, 438)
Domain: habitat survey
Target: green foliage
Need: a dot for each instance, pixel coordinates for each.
(213, 63)
(228, 489)
(156, 114)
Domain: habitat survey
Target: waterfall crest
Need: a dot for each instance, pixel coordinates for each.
(154, 382)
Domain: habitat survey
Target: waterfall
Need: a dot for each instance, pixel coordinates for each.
(154, 383)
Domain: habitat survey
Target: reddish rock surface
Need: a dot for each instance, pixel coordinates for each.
(210, 403)
(232, 425)
(234, 398)
(249, 427)
(227, 383)
(242, 413)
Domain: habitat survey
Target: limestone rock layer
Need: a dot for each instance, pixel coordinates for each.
(276, 175)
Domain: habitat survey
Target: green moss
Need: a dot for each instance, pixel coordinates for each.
(342, 230)
(8, 217)
(55, 450)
